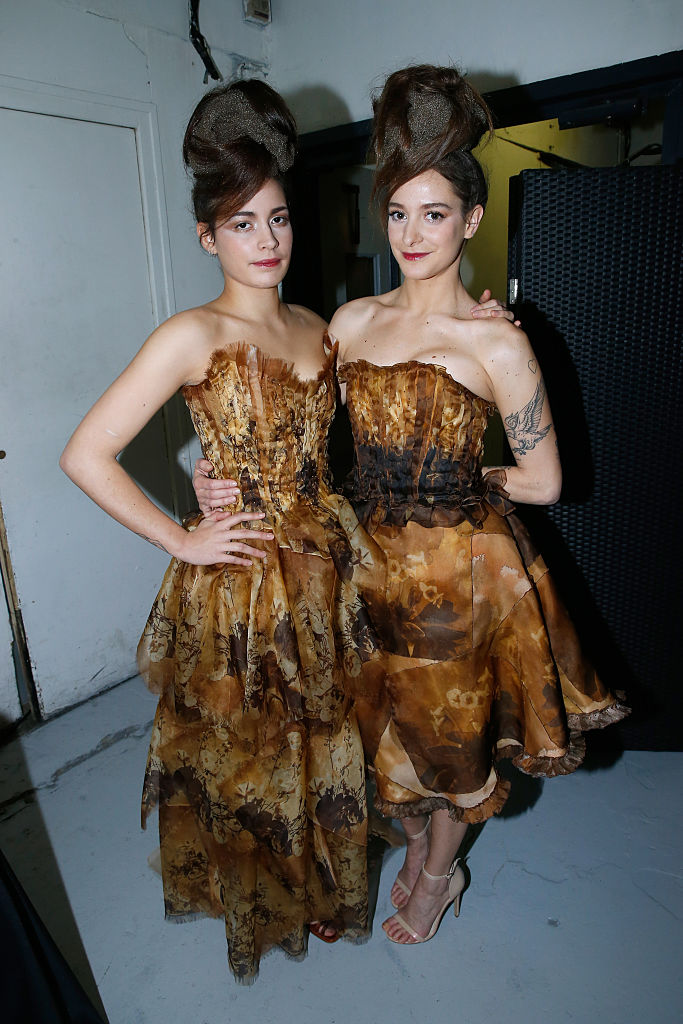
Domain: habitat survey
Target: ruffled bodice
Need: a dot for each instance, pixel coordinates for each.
(261, 424)
(419, 438)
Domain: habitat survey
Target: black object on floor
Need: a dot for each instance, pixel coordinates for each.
(36, 982)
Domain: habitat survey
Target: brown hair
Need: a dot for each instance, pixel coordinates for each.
(429, 118)
(233, 147)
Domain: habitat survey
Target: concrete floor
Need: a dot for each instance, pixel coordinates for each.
(574, 911)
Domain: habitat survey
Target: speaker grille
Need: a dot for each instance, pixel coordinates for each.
(597, 256)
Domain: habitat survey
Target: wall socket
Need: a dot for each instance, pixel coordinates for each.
(257, 11)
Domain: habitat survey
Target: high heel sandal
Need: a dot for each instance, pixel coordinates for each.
(402, 886)
(456, 884)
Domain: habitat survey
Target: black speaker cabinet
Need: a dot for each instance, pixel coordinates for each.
(595, 275)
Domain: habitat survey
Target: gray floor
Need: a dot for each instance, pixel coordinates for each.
(573, 914)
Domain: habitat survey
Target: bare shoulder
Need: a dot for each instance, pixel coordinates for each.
(185, 340)
(358, 311)
(188, 323)
(503, 345)
(352, 319)
(307, 317)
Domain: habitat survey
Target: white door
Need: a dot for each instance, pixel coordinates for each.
(10, 708)
(80, 292)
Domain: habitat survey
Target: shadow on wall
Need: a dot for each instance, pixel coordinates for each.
(318, 106)
(41, 942)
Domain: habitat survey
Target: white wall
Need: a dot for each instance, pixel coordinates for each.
(137, 49)
(112, 55)
(327, 54)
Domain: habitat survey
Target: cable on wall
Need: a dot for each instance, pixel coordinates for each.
(201, 46)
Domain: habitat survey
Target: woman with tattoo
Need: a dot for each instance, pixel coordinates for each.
(479, 660)
(256, 762)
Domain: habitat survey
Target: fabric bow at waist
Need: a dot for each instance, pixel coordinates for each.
(440, 509)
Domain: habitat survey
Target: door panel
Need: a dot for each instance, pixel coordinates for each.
(77, 305)
(10, 708)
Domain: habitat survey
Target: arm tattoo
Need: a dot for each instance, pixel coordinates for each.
(156, 543)
(523, 427)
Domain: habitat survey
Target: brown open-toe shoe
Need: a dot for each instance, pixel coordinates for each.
(318, 928)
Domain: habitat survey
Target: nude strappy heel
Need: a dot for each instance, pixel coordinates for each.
(456, 884)
(402, 886)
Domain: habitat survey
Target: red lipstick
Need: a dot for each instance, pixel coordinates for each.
(268, 263)
(414, 255)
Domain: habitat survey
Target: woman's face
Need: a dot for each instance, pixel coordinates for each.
(254, 246)
(426, 226)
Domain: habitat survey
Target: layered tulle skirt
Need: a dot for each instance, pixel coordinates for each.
(256, 762)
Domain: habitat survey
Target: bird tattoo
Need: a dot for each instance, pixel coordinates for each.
(523, 427)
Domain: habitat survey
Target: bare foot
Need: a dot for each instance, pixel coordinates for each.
(417, 849)
(419, 911)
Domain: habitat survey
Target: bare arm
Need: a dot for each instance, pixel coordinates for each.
(162, 365)
(520, 395)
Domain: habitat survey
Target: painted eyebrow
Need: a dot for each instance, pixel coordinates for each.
(251, 213)
(425, 206)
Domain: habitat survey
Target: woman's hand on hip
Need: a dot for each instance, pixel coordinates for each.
(219, 540)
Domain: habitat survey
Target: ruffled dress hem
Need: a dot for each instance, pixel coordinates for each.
(537, 767)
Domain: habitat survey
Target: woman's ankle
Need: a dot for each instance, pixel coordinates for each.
(419, 827)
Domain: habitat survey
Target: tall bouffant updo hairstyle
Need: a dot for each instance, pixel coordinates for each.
(429, 118)
(238, 137)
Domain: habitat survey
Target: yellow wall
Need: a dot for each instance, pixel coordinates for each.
(485, 261)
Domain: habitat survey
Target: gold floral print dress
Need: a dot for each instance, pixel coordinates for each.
(479, 658)
(256, 762)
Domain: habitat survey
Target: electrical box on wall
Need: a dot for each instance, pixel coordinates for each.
(257, 11)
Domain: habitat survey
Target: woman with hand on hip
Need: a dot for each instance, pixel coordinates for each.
(479, 660)
(255, 762)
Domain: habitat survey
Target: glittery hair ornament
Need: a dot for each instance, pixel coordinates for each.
(432, 119)
(427, 117)
(228, 117)
(238, 137)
